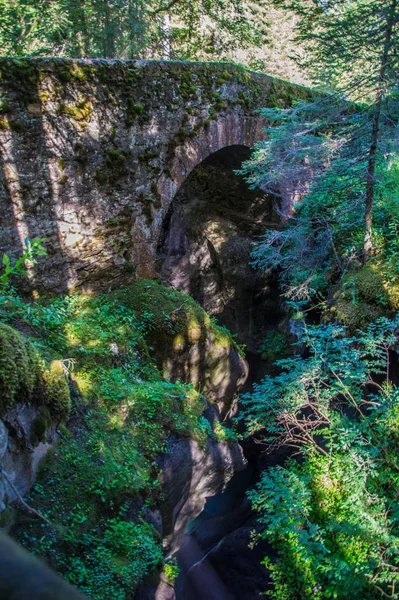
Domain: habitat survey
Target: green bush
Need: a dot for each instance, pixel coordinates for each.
(332, 516)
(366, 295)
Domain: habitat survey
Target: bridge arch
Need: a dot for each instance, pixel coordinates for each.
(231, 130)
(204, 243)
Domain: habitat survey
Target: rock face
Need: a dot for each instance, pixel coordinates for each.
(20, 453)
(206, 243)
(210, 364)
(235, 568)
(189, 475)
(93, 153)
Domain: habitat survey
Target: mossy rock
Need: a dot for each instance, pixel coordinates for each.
(21, 368)
(81, 112)
(173, 320)
(365, 295)
(114, 167)
(24, 378)
(56, 391)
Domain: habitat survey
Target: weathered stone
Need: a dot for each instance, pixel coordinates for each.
(190, 474)
(95, 170)
(23, 452)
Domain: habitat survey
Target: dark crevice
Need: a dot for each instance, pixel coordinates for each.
(204, 248)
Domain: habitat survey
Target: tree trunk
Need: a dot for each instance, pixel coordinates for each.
(372, 155)
(108, 33)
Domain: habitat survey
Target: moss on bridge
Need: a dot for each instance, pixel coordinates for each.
(141, 85)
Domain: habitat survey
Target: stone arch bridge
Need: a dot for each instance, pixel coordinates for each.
(93, 154)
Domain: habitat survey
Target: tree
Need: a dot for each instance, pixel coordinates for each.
(335, 147)
(128, 29)
(333, 515)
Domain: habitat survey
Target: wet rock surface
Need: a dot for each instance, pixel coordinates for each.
(189, 475)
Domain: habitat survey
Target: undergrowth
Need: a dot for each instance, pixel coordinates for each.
(97, 484)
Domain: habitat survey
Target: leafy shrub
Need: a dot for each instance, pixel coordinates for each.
(332, 516)
(32, 250)
(274, 346)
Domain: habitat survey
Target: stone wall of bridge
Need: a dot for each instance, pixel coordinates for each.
(93, 152)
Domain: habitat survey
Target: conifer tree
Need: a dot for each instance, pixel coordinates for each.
(335, 145)
(173, 29)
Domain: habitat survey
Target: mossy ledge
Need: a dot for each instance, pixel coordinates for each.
(100, 483)
(365, 295)
(25, 378)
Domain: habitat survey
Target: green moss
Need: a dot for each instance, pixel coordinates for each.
(148, 155)
(171, 315)
(81, 112)
(134, 110)
(23, 377)
(21, 368)
(56, 391)
(365, 295)
(114, 167)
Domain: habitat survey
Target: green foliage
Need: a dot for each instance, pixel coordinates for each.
(274, 345)
(24, 378)
(32, 250)
(332, 516)
(337, 156)
(346, 41)
(103, 474)
(119, 29)
(170, 316)
(56, 391)
(365, 295)
(21, 368)
(171, 570)
(325, 239)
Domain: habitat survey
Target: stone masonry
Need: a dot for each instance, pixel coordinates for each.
(93, 152)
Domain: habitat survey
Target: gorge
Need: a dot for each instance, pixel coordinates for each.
(199, 300)
(126, 170)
